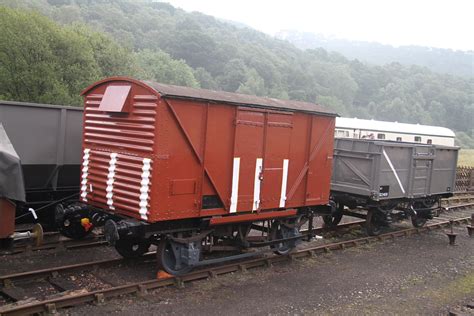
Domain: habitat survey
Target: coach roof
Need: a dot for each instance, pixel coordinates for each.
(393, 127)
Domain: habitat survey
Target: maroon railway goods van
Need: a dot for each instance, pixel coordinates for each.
(162, 162)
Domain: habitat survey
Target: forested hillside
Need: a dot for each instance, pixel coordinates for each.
(459, 63)
(48, 61)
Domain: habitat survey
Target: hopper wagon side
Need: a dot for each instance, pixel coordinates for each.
(391, 180)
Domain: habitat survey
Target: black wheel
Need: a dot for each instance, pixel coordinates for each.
(167, 259)
(334, 219)
(132, 248)
(418, 221)
(429, 202)
(374, 222)
(277, 232)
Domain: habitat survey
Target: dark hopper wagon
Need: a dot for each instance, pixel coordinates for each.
(40, 160)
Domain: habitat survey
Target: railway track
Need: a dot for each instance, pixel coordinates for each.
(6, 280)
(68, 293)
(54, 241)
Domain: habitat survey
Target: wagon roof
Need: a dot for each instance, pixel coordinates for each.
(40, 105)
(238, 99)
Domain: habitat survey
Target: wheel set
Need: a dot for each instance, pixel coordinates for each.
(179, 253)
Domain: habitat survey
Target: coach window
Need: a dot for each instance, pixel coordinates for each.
(399, 139)
(429, 141)
(418, 139)
(380, 136)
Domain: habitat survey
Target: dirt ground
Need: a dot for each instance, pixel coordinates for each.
(417, 275)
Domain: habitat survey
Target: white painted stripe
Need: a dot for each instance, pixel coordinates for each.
(284, 181)
(110, 181)
(393, 170)
(235, 185)
(85, 173)
(257, 183)
(145, 185)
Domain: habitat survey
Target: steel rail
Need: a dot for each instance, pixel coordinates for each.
(99, 296)
(67, 244)
(7, 279)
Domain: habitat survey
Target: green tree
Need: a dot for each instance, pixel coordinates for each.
(205, 79)
(159, 66)
(333, 103)
(254, 84)
(41, 61)
(112, 58)
(234, 74)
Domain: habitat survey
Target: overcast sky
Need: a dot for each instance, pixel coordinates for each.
(436, 23)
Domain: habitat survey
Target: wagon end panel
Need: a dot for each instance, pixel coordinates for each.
(444, 170)
(118, 147)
